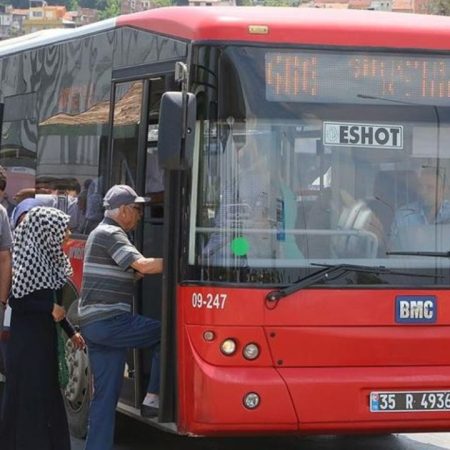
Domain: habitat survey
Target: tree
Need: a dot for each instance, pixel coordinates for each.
(439, 7)
(161, 3)
(93, 4)
(112, 9)
(277, 2)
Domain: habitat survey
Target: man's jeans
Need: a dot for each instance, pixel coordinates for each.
(108, 341)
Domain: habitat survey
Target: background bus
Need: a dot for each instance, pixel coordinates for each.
(315, 148)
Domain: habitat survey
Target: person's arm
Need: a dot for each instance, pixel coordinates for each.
(58, 312)
(5, 275)
(68, 328)
(148, 265)
(73, 334)
(125, 254)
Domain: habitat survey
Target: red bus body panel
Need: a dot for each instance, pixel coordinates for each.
(296, 26)
(74, 249)
(322, 352)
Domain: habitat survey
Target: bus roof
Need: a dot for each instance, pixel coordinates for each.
(51, 36)
(315, 26)
(307, 26)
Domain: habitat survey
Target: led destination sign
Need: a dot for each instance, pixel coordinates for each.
(314, 76)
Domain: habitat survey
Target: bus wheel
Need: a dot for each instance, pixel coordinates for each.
(77, 394)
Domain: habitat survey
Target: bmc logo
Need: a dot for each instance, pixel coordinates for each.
(415, 309)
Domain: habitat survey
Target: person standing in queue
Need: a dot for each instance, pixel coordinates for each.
(18, 215)
(4, 200)
(111, 266)
(5, 271)
(5, 249)
(33, 414)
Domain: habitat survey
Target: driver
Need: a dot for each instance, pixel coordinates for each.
(430, 208)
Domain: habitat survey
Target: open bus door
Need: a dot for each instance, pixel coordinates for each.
(134, 161)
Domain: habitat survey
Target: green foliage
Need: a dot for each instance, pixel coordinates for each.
(161, 3)
(439, 7)
(25, 4)
(112, 9)
(99, 4)
(278, 2)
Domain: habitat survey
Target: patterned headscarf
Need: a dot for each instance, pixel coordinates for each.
(38, 259)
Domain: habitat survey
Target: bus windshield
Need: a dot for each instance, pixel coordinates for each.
(322, 156)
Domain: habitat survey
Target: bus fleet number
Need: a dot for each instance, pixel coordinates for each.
(209, 301)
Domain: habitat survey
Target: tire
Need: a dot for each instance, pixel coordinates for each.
(78, 392)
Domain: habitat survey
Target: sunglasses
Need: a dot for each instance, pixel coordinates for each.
(136, 207)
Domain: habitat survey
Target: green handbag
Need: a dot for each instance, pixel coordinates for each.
(63, 370)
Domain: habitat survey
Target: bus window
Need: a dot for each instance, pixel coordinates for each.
(126, 120)
(18, 147)
(309, 191)
(154, 175)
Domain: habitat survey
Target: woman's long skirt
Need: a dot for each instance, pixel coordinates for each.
(33, 414)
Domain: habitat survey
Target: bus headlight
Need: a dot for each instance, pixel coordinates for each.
(251, 351)
(251, 400)
(228, 347)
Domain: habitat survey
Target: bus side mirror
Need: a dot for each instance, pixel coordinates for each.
(176, 130)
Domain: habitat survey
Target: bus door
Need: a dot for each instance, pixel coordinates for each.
(134, 161)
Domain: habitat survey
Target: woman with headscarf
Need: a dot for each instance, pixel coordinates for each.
(33, 414)
(17, 217)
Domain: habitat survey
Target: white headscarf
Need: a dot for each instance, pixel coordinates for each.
(38, 259)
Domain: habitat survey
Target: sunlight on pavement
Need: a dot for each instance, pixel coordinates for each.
(441, 440)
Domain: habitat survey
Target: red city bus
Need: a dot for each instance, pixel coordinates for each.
(297, 162)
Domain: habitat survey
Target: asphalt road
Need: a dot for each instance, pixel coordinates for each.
(131, 435)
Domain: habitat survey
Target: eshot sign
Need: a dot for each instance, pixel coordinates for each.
(363, 135)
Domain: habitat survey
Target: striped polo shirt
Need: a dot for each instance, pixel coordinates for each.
(108, 280)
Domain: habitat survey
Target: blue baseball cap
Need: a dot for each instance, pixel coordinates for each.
(121, 194)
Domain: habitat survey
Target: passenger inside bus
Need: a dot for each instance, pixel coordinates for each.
(339, 225)
(317, 217)
(412, 220)
(154, 175)
(255, 204)
(362, 231)
(391, 190)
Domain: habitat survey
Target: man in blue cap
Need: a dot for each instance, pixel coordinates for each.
(111, 266)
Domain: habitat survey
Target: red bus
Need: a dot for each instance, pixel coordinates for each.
(297, 162)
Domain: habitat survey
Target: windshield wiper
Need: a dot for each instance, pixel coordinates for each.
(329, 269)
(432, 254)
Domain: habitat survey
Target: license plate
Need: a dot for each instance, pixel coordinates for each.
(410, 401)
